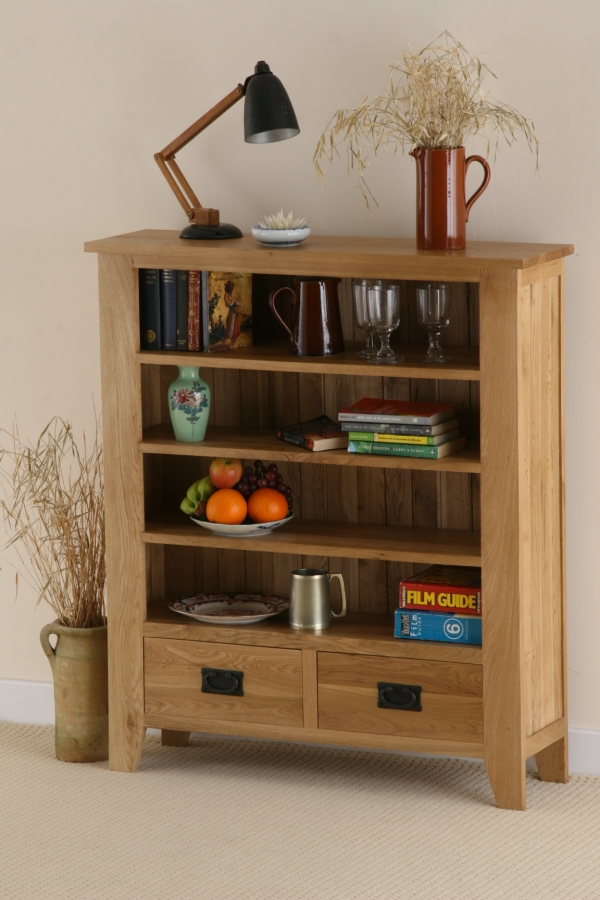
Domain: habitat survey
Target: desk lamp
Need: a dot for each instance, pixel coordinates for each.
(268, 116)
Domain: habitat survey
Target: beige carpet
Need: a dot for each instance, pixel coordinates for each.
(242, 820)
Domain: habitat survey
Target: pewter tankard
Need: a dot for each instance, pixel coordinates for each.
(310, 603)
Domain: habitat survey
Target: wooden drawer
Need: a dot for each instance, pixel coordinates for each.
(272, 682)
(451, 697)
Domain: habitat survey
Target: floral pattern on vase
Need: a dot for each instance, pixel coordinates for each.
(189, 405)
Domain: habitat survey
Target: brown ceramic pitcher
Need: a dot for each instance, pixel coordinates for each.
(442, 206)
(316, 322)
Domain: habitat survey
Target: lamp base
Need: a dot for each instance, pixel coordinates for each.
(220, 232)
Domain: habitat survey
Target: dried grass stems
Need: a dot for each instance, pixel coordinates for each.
(53, 506)
(434, 99)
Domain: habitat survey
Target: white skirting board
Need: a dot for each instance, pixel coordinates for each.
(32, 703)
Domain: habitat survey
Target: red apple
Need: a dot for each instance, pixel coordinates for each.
(225, 473)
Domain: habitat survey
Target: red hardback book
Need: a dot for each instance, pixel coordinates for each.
(449, 589)
(399, 412)
(194, 310)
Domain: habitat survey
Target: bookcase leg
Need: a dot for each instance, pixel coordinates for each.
(125, 749)
(170, 738)
(553, 762)
(506, 772)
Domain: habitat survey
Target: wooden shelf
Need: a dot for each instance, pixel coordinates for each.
(339, 539)
(350, 257)
(370, 635)
(274, 357)
(257, 443)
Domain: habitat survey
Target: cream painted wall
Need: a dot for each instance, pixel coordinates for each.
(91, 90)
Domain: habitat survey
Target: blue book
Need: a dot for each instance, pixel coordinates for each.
(150, 328)
(168, 308)
(431, 626)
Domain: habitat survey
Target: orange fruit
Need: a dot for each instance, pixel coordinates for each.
(267, 505)
(227, 507)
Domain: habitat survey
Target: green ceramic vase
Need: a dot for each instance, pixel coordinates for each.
(189, 404)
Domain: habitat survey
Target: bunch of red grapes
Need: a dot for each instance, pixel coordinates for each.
(263, 477)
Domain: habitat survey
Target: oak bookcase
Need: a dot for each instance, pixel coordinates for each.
(498, 504)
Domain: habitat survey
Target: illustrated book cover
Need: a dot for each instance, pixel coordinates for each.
(229, 317)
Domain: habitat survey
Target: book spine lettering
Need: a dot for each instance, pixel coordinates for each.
(204, 344)
(194, 311)
(392, 449)
(391, 420)
(150, 326)
(392, 438)
(432, 626)
(441, 598)
(168, 308)
(388, 429)
(296, 439)
(182, 310)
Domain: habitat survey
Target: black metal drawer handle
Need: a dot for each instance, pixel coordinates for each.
(399, 696)
(223, 681)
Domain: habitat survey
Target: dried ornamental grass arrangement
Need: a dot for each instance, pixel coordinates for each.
(434, 99)
(53, 507)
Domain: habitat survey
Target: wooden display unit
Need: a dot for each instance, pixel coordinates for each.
(498, 504)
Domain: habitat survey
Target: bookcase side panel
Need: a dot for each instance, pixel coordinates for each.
(544, 620)
(504, 533)
(124, 496)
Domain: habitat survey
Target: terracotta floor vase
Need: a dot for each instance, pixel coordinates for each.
(80, 668)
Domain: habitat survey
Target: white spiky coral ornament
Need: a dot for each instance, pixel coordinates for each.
(279, 221)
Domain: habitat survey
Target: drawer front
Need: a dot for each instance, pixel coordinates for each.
(450, 697)
(271, 683)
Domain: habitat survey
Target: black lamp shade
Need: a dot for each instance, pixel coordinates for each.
(268, 113)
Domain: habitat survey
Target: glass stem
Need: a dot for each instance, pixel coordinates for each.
(385, 349)
(434, 351)
(370, 340)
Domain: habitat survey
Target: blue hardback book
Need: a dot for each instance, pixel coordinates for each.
(150, 326)
(168, 308)
(431, 626)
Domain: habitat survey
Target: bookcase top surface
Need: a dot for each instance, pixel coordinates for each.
(327, 255)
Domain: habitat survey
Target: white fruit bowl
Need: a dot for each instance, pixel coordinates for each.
(281, 237)
(254, 529)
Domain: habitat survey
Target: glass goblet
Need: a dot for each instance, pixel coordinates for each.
(383, 307)
(361, 314)
(433, 313)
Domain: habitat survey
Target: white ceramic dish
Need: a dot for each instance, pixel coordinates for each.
(230, 609)
(281, 237)
(252, 530)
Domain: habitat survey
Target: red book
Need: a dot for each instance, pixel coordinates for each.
(448, 589)
(194, 293)
(397, 412)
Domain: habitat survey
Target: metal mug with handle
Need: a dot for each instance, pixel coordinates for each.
(310, 602)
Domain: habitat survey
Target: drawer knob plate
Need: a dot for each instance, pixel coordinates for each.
(223, 681)
(399, 696)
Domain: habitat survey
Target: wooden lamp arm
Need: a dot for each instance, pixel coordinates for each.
(194, 210)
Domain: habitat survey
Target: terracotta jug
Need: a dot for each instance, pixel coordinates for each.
(80, 669)
(316, 322)
(442, 206)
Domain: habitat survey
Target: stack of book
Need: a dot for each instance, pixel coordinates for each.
(442, 603)
(208, 311)
(401, 428)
